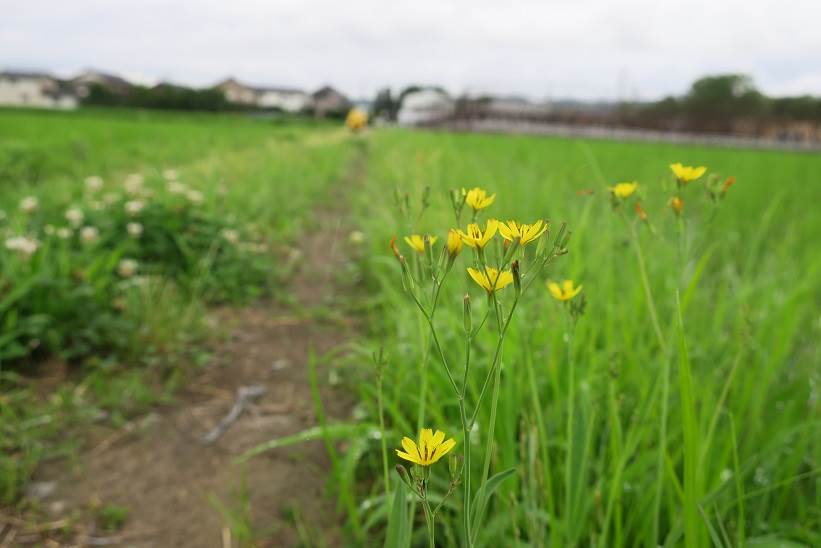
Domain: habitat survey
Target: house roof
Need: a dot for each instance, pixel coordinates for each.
(25, 74)
(110, 79)
(258, 89)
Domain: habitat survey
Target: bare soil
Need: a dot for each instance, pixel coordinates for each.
(158, 467)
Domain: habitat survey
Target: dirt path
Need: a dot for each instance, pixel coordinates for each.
(159, 469)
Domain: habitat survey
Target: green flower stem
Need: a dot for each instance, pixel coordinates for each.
(466, 434)
(569, 502)
(665, 381)
(381, 408)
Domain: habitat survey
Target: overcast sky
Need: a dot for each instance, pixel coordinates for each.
(590, 49)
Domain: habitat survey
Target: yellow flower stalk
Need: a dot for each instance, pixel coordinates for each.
(563, 292)
(417, 242)
(454, 242)
(477, 198)
(624, 190)
(513, 231)
(357, 119)
(687, 174)
(491, 279)
(477, 238)
(430, 449)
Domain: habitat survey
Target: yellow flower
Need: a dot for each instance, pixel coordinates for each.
(454, 242)
(491, 279)
(563, 292)
(687, 174)
(417, 242)
(477, 198)
(513, 231)
(475, 237)
(431, 448)
(624, 190)
(356, 119)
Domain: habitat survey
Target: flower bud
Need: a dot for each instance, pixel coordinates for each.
(394, 248)
(403, 473)
(727, 184)
(517, 277)
(407, 277)
(466, 317)
(677, 205)
(454, 467)
(454, 243)
(640, 211)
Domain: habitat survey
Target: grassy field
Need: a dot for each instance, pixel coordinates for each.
(680, 408)
(118, 229)
(616, 436)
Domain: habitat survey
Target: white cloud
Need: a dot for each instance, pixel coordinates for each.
(582, 48)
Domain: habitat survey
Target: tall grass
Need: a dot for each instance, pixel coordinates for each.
(702, 426)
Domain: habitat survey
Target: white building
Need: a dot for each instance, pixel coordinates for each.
(285, 99)
(424, 106)
(288, 100)
(33, 89)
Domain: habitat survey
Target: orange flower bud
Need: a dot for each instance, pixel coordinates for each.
(394, 248)
(677, 204)
(727, 184)
(640, 211)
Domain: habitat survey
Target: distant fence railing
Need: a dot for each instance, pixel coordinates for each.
(615, 133)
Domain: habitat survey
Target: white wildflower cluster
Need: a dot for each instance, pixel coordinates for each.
(134, 207)
(74, 216)
(29, 204)
(89, 235)
(134, 183)
(230, 235)
(94, 183)
(170, 175)
(135, 230)
(127, 268)
(195, 197)
(24, 245)
(176, 187)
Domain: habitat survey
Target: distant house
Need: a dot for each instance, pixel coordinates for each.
(425, 106)
(329, 102)
(83, 83)
(285, 99)
(238, 93)
(35, 89)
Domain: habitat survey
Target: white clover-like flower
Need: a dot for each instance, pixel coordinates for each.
(356, 237)
(133, 207)
(48, 229)
(170, 174)
(94, 182)
(231, 235)
(135, 230)
(29, 204)
(195, 196)
(89, 234)
(64, 233)
(110, 198)
(74, 216)
(176, 187)
(24, 245)
(133, 183)
(127, 268)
